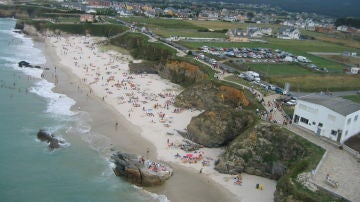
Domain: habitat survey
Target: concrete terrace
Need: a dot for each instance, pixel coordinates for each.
(339, 164)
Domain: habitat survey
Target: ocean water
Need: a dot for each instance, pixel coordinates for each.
(28, 170)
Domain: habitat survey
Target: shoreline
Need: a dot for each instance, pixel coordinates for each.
(222, 189)
(99, 111)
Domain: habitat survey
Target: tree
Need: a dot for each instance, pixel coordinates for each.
(250, 15)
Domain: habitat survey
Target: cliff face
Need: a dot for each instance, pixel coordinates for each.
(206, 95)
(267, 151)
(218, 127)
(32, 31)
(13, 12)
(179, 72)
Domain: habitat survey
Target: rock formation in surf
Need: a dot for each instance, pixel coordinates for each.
(140, 171)
(45, 136)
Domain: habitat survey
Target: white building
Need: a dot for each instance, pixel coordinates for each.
(332, 117)
(288, 33)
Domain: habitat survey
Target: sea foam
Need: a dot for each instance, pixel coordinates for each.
(153, 196)
(57, 103)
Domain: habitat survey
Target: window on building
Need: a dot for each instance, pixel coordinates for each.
(356, 117)
(346, 133)
(320, 124)
(304, 120)
(349, 121)
(313, 123)
(333, 132)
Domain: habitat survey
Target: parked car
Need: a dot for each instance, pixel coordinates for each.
(291, 102)
(279, 90)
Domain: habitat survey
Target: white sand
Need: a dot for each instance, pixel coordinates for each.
(142, 99)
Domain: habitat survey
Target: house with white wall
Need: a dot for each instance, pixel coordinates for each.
(288, 33)
(333, 117)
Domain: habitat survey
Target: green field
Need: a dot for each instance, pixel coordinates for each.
(311, 83)
(187, 33)
(293, 46)
(173, 27)
(297, 47)
(218, 25)
(355, 98)
(280, 69)
(340, 38)
(161, 23)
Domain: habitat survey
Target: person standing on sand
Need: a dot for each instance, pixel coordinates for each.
(147, 153)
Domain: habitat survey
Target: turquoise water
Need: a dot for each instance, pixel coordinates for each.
(28, 170)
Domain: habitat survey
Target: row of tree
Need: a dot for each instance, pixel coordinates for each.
(351, 22)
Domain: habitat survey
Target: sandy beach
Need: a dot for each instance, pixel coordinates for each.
(141, 106)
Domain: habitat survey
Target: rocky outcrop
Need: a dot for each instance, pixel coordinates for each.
(179, 72)
(139, 171)
(207, 95)
(32, 31)
(217, 127)
(53, 141)
(267, 151)
(26, 64)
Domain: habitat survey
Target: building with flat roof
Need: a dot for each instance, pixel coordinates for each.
(333, 117)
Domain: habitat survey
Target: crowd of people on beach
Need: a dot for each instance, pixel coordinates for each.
(140, 97)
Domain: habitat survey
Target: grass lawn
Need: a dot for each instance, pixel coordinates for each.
(187, 33)
(297, 47)
(280, 69)
(337, 38)
(355, 98)
(311, 83)
(293, 46)
(69, 20)
(289, 110)
(162, 23)
(351, 61)
(218, 25)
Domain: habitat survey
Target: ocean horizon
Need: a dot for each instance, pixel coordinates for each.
(29, 171)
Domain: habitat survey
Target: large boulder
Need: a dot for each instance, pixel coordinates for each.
(208, 95)
(53, 141)
(24, 64)
(266, 150)
(218, 127)
(140, 172)
(27, 64)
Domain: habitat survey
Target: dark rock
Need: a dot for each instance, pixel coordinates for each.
(218, 127)
(137, 172)
(24, 64)
(45, 136)
(266, 150)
